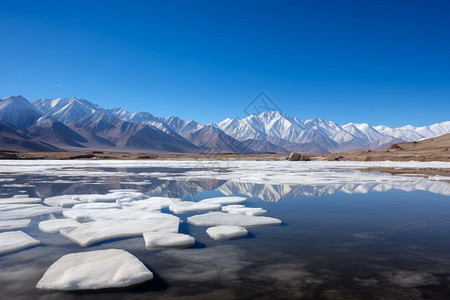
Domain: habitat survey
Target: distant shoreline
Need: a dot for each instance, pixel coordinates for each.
(355, 156)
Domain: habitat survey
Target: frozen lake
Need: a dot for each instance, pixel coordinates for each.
(344, 234)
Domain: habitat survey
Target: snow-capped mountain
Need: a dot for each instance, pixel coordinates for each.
(16, 112)
(142, 118)
(129, 135)
(208, 137)
(318, 135)
(71, 124)
(66, 110)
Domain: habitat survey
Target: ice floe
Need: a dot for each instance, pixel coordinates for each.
(189, 206)
(22, 211)
(227, 200)
(20, 199)
(97, 231)
(110, 197)
(166, 240)
(64, 201)
(263, 172)
(151, 203)
(99, 205)
(55, 225)
(112, 268)
(242, 210)
(14, 224)
(221, 218)
(12, 241)
(224, 232)
(116, 214)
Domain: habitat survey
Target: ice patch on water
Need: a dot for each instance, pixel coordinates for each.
(220, 218)
(189, 206)
(151, 204)
(167, 240)
(116, 214)
(112, 268)
(111, 197)
(99, 205)
(225, 200)
(22, 211)
(242, 210)
(20, 199)
(437, 177)
(224, 232)
(97, 231)
(55, 225)
(12, 241)
(61, 201)
(14, 224)
(123, 190)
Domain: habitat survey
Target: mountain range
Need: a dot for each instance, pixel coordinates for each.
(71, 124)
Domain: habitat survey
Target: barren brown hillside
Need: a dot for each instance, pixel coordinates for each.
(434, 149)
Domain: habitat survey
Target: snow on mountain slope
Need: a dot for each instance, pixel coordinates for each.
(130, 136)
(56, 133)
(179, 125)
(67, 110)
(214, 140)
(321, 135)
(208, 137)
(143, 118)
(270, 131)
(16, 112)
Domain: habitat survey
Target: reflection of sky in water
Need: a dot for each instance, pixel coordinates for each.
(346, 239)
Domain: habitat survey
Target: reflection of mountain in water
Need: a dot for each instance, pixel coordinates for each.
(274, 193)
(266, 192)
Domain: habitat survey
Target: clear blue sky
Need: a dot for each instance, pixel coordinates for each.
(382, 62)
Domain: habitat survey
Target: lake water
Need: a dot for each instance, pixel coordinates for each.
(346, 234)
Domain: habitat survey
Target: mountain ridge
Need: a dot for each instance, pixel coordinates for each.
(72, 123)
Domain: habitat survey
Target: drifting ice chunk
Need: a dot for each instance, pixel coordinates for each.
(220, 218)
(150, 204)
(225, 200)
(93, 232)
(61, 201)
(95, 205)
(116, 214)
(165, 240)
(112, 268)
(15, 240)
(242, 210)
(22, 211)
(224, 232)
(55, 225)
(20, 199)
(111, 197)
(189, 206)
(14, 224)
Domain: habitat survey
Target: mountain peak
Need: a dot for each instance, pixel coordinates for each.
(17, 112)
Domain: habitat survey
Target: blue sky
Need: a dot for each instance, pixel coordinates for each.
(381, 62)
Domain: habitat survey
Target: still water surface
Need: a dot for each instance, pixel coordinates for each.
(337, 240)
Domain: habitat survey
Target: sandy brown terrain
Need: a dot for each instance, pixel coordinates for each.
(434, 149)
(134, 156)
